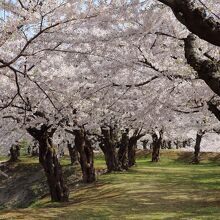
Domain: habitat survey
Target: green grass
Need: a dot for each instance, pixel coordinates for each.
(170, 189)
(3, 158)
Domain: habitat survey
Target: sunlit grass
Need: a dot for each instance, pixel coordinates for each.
(3, 158)
(170, 189)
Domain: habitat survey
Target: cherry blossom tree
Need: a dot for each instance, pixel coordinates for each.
(113, 70)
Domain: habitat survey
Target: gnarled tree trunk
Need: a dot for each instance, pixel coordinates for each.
(131, 151)
(73, 153)
(108, 146)
(14, 153)
(123, 151)
(196, 19)
(157, 142)
(132, 145)
(207, 69)
(49, 160)
(86, 154)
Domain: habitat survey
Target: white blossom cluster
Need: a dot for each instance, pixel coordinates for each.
(96, 63)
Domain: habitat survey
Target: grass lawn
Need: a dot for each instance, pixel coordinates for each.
(170, 189)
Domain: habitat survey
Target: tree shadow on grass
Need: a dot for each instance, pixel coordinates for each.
(144, 192)
(204, 157)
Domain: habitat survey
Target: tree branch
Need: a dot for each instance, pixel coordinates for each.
(207, 69)
(196, 20)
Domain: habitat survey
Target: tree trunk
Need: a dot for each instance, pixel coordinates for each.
(123, 151)
(132, 145)
(14, 153)
(85, 150)
(49, 160)
(131, 151)
(213, 108)
(157, 142)
(145, 144)
(156, 149)
(203, 25)
(197, 147)
(109, 149)
(73, 153)
(208, 70)
(35, 149)
(169, 144)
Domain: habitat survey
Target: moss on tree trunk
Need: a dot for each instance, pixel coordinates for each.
(49, 160)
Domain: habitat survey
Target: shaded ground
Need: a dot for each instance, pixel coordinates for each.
(26, 182)
(171, 189)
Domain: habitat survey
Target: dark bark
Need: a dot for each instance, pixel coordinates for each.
(145, 144)
(169, 144)
(199, 136)
(123, 151)
(14, 153)
(157, 142)
(132, 146)
(34, 150)
(131, 151)
(29, 150)
(207, 69)
(177, 143)
(184, 144)
(73, 153)
(108, 146)
(49, 160)
(163, 144)
(86, 155)
(212, 106)
(156, 148)
(197, 20)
